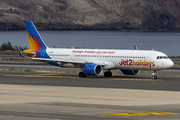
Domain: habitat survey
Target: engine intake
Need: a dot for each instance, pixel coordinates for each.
(92, 69)
(130, 72)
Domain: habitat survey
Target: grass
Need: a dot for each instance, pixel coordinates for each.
(11, 70)
(16, 70)
(18, 60)
(9, 53)
(73, 71)
(28, 70)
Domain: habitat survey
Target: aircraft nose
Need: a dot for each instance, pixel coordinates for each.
(170, 64)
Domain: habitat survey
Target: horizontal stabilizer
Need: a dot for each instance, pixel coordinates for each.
(29, 54)
(20, 53)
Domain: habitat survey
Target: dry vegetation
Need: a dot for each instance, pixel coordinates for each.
(90, 14)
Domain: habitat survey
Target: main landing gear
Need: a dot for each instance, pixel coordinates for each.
(108, 74)
(154, 75)
(81, 74)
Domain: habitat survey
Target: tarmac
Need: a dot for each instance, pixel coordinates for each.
(52, 93)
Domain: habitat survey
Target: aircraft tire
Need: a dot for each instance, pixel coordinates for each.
(81, 74)
(154, 77)
(107, 74)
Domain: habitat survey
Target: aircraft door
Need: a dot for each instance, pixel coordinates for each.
(148, 59)
(72, 56)
(99, 56)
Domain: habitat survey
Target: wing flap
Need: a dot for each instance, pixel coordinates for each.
(62, 62)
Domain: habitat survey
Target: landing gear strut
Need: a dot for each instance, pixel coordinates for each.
(81, 74)
(108, 74)
(154, 75)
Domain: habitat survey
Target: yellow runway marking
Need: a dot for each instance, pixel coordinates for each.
(141, 114)
(99, 111)
(39, 75)
(135, 79)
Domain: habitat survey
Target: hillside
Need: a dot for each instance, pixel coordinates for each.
(90, 14)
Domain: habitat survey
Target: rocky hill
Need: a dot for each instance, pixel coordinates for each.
(90, 14)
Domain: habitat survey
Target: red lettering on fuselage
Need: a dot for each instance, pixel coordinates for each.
(130, 62)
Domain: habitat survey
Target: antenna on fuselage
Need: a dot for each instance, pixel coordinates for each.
(98, 46)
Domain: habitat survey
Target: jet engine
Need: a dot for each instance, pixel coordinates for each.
(130, 72)
(92, 69)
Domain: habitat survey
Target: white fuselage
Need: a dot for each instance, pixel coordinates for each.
(115, 59)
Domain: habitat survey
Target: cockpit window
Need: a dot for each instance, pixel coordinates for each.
(162, 57)
(165, 57)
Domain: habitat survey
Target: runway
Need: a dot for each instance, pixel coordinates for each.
(72, 80)
(36, 102)
(59, 94)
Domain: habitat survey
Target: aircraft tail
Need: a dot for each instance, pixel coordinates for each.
(35, 40)
(36, 43)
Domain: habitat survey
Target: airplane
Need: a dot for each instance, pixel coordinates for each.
(93, 62)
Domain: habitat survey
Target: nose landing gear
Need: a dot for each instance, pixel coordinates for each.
(154, 75)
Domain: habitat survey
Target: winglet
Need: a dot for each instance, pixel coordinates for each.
(136, 48)
(20, 53)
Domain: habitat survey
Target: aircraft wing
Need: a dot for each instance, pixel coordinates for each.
(58, 60)
(69, 61)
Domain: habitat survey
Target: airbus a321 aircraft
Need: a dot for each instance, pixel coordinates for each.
(93, 61)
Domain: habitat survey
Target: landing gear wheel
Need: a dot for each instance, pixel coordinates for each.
(107, 74)
(154, 77)
(81, 74)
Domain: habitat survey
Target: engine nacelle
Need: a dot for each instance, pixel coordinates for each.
(130, 72)
(92, 69)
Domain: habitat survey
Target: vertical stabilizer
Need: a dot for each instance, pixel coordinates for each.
(35, 40)
(37, 47)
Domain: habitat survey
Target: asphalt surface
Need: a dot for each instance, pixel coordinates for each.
(65, 111)
(59, 110)
(72, 80)
(50, 77)
(168, 80)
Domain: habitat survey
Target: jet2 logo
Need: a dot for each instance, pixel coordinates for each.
(130, 62)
